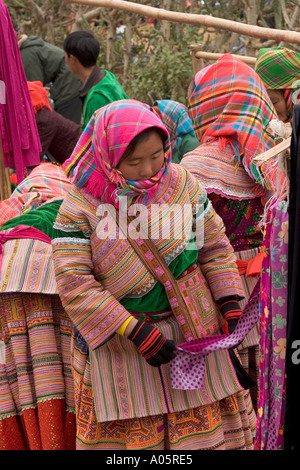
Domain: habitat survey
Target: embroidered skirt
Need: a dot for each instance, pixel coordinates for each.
(228, 423)
(37, 408)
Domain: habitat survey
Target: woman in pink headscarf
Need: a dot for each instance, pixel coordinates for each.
(126, 334)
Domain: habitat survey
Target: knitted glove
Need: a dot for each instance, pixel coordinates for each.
(231, 310)
(153, 346)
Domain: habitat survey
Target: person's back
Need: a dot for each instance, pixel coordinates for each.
(105, 92)
(45, 62)
(58, 134)
(99, 86)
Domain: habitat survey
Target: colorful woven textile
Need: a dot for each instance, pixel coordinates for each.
(218, 173)
(230, 104)
(273, 323)
(27, 262)
(46, 183)
(228, 424)
(176, 119)
(241, 219)
(92, 165)
(188, 368)
(96, 312)
(93, 276)
(279, 69)
(36, 384)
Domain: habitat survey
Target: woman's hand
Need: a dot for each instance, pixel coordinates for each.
(151, 343)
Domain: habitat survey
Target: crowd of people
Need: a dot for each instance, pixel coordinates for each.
(141, 339)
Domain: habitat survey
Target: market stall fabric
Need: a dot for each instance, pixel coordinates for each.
(18, 132)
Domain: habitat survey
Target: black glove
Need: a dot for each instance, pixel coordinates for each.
(153, 346)
(231, 310)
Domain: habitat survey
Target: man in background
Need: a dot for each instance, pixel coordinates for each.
(99, 86)
(45, 62)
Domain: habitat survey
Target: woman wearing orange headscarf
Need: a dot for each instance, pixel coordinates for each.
(58, 135)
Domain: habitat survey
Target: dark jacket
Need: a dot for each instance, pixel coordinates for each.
(45, 62)
(58, 135)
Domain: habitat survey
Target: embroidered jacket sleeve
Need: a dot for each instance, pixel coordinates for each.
(93, 310)
(216, 255)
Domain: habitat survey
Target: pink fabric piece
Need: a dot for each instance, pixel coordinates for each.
(22, 231)
(46, 183)
(187, 369)
(19, 135)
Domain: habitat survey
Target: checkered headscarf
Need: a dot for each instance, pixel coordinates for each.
(230, 104)
(279, 69)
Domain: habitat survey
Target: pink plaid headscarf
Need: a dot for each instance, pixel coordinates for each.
(93, 163)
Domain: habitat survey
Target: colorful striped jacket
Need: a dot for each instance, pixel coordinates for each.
(94, 274)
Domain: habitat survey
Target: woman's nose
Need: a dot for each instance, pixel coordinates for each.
(146, 170)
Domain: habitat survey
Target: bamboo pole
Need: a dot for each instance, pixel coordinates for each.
(5, 186)
(201, 20)
(272, 152)
(197, 62)
(214, 56)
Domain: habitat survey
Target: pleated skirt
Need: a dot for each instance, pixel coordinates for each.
(228, 424)
(37, 406)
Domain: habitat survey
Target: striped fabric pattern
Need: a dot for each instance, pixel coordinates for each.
(46, 183)
(36, 380)
(230, 104)
(125, 386)
(94, 274)
(175, 117)
(252, 338)
(217, 172)
(27, 267)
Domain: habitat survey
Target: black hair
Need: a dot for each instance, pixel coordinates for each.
(84, 46)
(142, 136)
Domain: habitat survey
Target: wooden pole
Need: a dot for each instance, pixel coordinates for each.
(214, 56)
(197, 62)
(201, 20)
(272, 152)
(5, 186)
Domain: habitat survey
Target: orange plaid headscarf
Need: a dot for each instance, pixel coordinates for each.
(39, 96)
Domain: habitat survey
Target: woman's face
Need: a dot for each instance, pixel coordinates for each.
(279, 103)
(145, 160)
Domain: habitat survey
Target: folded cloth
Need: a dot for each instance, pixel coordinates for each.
(22, 231)
(251, 267)
(187, 369)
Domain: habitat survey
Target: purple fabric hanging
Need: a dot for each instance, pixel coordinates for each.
(272, 331)
(18, 131)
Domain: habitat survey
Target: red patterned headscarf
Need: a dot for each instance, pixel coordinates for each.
(230, 104)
